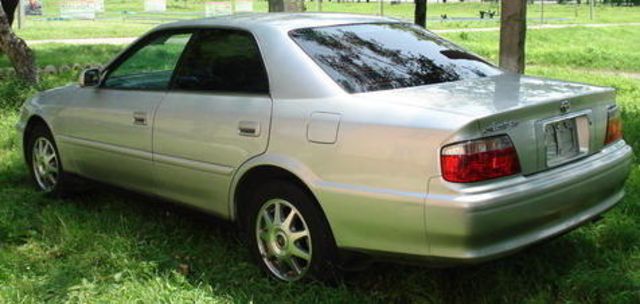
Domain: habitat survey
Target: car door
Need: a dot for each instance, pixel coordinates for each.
(215, 117)
(108, 127)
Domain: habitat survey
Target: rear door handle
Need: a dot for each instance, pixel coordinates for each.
(249, 128)
(140, 118)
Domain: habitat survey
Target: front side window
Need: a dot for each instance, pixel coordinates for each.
(222, 60)
(150, 67)
(382, 56)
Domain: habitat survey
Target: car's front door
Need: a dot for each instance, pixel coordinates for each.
(108, 127)
(215, 117)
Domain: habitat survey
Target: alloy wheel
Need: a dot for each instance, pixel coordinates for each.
(284, 240)
(46, 168)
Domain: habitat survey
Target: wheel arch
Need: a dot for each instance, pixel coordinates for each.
(271, 168)
(33, 121)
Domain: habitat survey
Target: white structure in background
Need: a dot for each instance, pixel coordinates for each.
(78, 9)
(219, 8)
(448, 1)
(428, 1)
(242, 6)
(99, 6)
(31, 7)
(224, 8)
(155, 6)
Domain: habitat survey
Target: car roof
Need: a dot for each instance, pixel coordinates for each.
(279, 21)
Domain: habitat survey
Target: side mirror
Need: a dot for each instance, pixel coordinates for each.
(89, 77)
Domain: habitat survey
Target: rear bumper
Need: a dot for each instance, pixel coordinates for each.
(481, 222)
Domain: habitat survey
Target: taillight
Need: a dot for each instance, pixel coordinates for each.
(614, 125)
(478, 160)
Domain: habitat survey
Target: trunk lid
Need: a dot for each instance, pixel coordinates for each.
(550, 122)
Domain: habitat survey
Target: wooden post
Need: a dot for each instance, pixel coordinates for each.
(20, 14)
(591, 9)
(513, 30)
(381, 7)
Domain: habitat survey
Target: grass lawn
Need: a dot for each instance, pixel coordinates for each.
(113, 246)
(557, 14)
(585, 48)
(61, 54)
(613, 48)
(116, 23)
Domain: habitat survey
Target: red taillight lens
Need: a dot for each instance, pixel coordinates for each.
(614, 126)
(479, 160)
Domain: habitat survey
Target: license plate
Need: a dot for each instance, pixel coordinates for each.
(561, 140)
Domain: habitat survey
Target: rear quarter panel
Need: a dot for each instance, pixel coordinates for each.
(372, 182)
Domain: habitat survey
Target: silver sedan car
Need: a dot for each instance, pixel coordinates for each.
(328, 136)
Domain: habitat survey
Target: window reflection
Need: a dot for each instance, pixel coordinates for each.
(371, 57)
(151, 66)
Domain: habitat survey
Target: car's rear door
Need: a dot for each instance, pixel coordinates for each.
(215, 117)
(108, 127)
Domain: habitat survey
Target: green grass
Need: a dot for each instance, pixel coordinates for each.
(113, 246)
(553, 12)
(77, 29)
(115, 23)
(612, 48)
(60, 54)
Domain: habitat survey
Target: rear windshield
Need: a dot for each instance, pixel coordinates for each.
(382, 56)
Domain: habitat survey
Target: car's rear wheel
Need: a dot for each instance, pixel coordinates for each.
(44, 162)
(288, 234)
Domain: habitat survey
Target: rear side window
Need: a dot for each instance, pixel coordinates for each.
(222, 61)
(381, 56)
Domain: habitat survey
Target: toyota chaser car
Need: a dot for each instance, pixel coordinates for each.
(327, 134)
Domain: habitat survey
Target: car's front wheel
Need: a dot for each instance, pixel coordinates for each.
(288, 234)
(44, 161)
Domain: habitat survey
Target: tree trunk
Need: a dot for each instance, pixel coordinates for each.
(513, 30)
(9, 7)
(296, 6)
(420, 15)
(19, 54)
(276, 6)
(286, 6)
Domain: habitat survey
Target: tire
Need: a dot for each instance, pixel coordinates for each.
(44, 162)
(304, 249)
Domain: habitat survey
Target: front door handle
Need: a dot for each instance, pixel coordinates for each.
(249, 128)
(140, 118)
